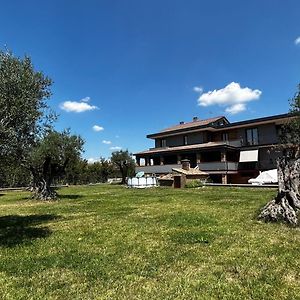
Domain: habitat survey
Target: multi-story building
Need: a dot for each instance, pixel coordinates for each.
(228, 152)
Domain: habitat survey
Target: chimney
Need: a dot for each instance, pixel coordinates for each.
(181, 122)
(195, 119)
(185, 164)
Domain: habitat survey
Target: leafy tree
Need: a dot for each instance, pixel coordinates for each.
(124, 162)
(24, 113)
(49, 159)
(76, 172)
(106, 169)
(13, 175)
(286, 204)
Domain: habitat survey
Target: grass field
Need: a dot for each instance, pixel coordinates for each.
(109, 242)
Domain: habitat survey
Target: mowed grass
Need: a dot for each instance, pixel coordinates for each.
(109, 242)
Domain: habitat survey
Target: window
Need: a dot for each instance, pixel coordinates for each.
(224, 136)
(185, 140)
(252, 136)
(163, 143)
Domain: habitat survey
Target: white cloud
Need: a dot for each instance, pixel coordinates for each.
(232, 96)
(115, 148)
(77, 106)
(297, 41)
(98, 128)
(106, 142)
(236, 108)
(198, 89)
(92, 160)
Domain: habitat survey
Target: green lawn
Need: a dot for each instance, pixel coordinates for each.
(109, 242)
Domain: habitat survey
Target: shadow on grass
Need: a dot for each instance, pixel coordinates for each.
(16, 230)
(69, 196)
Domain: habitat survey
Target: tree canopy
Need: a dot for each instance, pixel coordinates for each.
(124, 162)
(290, 134)
(24, 112)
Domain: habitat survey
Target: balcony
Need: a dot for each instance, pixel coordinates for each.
(157, 169)
(234, 143)
(218, 166)
(206, 166)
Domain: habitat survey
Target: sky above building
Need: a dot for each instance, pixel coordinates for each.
(124, 69)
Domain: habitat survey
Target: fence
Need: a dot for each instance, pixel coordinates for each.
(142, 182)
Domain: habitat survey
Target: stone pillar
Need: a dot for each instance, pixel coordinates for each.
(223, 156)
(147, 161)
(161, 160)
(185, 164)
(178, 159)
(198, 158)
(224, 178)
(138, 161)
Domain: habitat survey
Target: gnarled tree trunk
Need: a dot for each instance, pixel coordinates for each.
(43, 191)
(287, 202)
(41, 187)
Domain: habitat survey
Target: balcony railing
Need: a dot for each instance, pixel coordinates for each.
(208, 166)
(233, 143)
(218, 166)
(157, 169)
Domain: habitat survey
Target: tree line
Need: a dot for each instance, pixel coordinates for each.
(77, 172)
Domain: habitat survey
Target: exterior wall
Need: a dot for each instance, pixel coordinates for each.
(173, 141)
(267, 134)
(267, 158)
(157, 143)
(241, 178)
(177, 140)
(195, 138)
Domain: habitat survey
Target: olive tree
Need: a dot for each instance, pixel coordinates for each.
(124, 162)
(24, 111)
(286, 204)
(49, 159)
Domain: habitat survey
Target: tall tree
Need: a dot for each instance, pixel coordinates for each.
(124, 162)
(49, 159)
(286, 204)
(24, 113)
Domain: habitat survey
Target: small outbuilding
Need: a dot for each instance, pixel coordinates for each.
(181, 176)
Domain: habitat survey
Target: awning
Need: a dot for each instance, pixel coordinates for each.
(249, 155)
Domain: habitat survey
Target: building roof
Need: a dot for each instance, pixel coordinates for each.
(258, 120)
(182, 148)
(191, 171)
(182, 126)
(211, 123)
(192, 124)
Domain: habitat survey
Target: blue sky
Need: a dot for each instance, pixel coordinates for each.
(140, 66)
